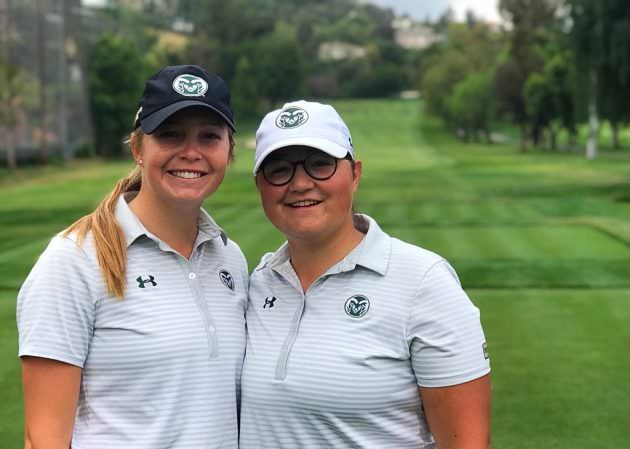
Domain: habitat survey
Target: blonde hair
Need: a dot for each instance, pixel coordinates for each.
(109, 239)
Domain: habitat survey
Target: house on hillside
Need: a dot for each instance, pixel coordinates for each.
(336, 51)
(414, 35)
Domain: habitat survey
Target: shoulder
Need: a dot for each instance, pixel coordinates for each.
(397, 259)
(417, 261)
(65, 264)
(264, 260)
(70, 251)
(271, 260)
(232, 249)
(65, 273)
(405, 251)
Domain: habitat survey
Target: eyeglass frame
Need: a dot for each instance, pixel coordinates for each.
(302, 162)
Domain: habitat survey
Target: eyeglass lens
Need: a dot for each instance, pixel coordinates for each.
(319, 166)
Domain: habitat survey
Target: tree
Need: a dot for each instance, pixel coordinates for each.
(439, 80)
(587, 37)
(7, 92)
(467, 50)
(224, 30)
(549, 96)
(471, 105)
(560, 76)
(117, 74)
(8, 118)
(507, 86)
(539, 105)
(529, 19)
(245, 90)
(614, 70)
(279, 64)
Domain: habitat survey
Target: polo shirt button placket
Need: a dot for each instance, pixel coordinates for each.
(282, 364)
(202, 306)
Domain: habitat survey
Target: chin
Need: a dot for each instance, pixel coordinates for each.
(193, 195)
(187, 200)
(304, 232)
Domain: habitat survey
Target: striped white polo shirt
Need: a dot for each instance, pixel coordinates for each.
(161, 367)
(340, 365)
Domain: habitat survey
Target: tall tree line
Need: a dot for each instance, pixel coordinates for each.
(559, 63)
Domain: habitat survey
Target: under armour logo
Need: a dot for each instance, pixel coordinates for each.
(269, 302)
(142, 282)
(227, 279)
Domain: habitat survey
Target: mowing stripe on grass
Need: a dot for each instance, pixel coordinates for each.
(560, 361)
(526, 242)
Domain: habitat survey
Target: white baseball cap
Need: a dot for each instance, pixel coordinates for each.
(303, 123)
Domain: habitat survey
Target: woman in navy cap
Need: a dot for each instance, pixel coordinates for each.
(355, 338)
(131, 323)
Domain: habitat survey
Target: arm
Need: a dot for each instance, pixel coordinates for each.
(459, 416)
(51, 393)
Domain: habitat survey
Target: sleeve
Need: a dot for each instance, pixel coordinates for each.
(55, 306)
(444, 333)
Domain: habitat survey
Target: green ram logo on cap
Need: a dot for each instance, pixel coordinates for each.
(357, 306)
(190, 86)
(291, 118)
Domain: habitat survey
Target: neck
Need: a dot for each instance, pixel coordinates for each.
(312, 258)
(175, 225)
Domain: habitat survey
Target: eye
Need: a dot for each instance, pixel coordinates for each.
(277, 167)
(168, 134)
(277, 171)
(320, 165)
(321, 161)
(211, 135)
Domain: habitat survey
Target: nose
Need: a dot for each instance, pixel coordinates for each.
(301, 181)
(191, 150)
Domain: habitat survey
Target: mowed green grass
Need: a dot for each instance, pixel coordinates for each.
(540, 241)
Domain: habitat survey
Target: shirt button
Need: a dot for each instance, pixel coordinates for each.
(192, 276)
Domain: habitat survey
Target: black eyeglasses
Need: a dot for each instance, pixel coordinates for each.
(319, 166)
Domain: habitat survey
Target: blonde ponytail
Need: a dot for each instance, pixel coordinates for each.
(109, 239)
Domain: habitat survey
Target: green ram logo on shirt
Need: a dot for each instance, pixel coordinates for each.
(291, 118)
(357, 306)
(190, 86)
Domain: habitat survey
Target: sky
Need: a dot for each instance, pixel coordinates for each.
(421, 9)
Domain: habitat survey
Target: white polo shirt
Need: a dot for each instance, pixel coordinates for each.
(340, 365)
(161, 367)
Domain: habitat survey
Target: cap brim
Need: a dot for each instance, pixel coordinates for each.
(150, 123)
(332, 148)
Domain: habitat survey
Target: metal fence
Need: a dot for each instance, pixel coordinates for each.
(44, 93)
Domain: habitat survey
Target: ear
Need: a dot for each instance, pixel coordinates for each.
(136, 152)
(356, 175)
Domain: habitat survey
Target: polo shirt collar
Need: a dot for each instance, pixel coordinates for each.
(133, 228)
(373, 252)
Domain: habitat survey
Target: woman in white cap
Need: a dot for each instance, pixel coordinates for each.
(355, 338)
(131, 324)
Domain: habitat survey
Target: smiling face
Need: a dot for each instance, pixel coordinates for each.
(306, 209)
(184, 160)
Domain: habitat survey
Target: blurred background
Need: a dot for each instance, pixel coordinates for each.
(494, 132)
(72, 70)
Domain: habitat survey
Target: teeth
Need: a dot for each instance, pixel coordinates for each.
(304, 203)
(186, 174)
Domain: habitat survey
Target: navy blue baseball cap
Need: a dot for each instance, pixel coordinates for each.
(181, 86)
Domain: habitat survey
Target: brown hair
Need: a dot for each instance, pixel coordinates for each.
(109, 239)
